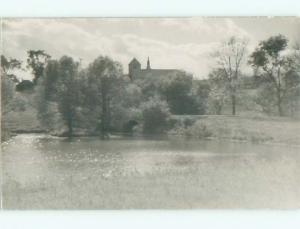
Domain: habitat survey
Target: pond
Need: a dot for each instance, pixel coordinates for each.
(43, 172)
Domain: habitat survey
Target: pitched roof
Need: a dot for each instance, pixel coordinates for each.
(134, 61)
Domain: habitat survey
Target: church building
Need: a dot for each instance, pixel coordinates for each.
(135, 70)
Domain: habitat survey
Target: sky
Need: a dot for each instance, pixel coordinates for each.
(177, 43)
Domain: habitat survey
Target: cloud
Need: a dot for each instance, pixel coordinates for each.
(190, 57)
(183, 43)
(209, 28)
(58, 38)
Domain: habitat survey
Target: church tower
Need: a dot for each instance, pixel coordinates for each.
(134, 68)
(148, 64)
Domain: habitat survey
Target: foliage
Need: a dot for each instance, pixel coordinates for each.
(103, 91)
(296, 57)
(265, 98)
(68, 91)
(99, 99)
(200, 93)
(178, 93)
(7, 91)
(8, 66)
(8, 95)
(218, 91)
(150, 86)
(292, 94)
(270, 64)
(8, 80)
(57, 94)
(25, 85)
(156, 114)
(133, 96)
(50, 80)
(47, 112)
(36, 61)
(194, 129)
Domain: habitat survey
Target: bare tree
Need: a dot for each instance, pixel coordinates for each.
(230, 57)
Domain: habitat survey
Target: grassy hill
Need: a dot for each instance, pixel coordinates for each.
(20, 116)
(25, 121)
(242, 128)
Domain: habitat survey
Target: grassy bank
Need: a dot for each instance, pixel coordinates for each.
(14, 123)
(250, 128)
(242, 128)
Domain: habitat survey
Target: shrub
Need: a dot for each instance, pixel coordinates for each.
(155, 116)
(198, 130)
(25, 85)
(188, 121)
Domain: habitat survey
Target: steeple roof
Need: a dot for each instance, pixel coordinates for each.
(148, 63)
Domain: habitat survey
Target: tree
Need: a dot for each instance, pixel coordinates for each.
(105, 85)
(156, 114)
(58, 94)
(264, 97)
(25, 85)
(270, 64)
(150, 86)
(296, 57)
(48, 91)
(177, 91)
(7, 95)
(8, 66)
(292, 94)
(36, 61)
(68, 91)
(218, 91)
(200, 91)
(229, 58)
(50, 80)
(7, 92)
(8, 80)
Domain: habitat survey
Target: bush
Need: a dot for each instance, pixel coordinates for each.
(265, 98)
(188, 122)
(25, 85)
(196, 129)
(155, 116)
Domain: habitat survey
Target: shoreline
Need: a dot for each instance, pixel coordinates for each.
(266, 130)
(166, 137)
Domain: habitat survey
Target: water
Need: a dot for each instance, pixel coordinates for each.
(42, 172)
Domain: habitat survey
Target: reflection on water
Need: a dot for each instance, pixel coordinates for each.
(45, 172)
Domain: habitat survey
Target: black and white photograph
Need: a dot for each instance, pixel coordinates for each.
(150, 113)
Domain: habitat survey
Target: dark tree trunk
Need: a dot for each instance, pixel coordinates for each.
(279, 95)
(233, 102)
(218, 109)
(279, 103)
(233, 95)
(70, 127)
(105, 115)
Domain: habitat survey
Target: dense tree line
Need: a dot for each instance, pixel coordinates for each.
(99, 98)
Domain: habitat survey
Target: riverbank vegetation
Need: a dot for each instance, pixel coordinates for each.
(65, 98)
